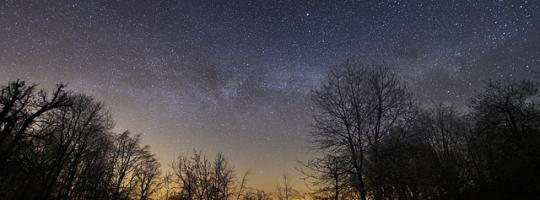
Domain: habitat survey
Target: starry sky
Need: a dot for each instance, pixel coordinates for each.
(235, 76)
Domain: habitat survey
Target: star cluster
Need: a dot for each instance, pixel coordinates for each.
(235, 76)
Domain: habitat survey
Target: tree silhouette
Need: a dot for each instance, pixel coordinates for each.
(202, 179)
(389, 147)
(372, 140)
(358, 106)
(60, 146)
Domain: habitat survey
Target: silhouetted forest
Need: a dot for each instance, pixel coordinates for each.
(372, 139)
(378, 143)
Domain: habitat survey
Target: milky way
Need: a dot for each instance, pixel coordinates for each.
(235, 76)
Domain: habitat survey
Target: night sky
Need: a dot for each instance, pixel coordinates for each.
(235, 76)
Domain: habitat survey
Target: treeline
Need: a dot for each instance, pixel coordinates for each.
(377, 142)
(60, 146)
(372, 138)
(195, 177)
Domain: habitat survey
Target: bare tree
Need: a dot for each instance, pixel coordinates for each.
(388, 104)
(21, 106)
(330, 176)
(503, 146)
(147, 174)
(125, 157)
(338, 125)
(70, 130)
(357, 108)
(93, 179)
(285, 191)
(21, 110)
(167, 185)
(203, 180)
(60, 146)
